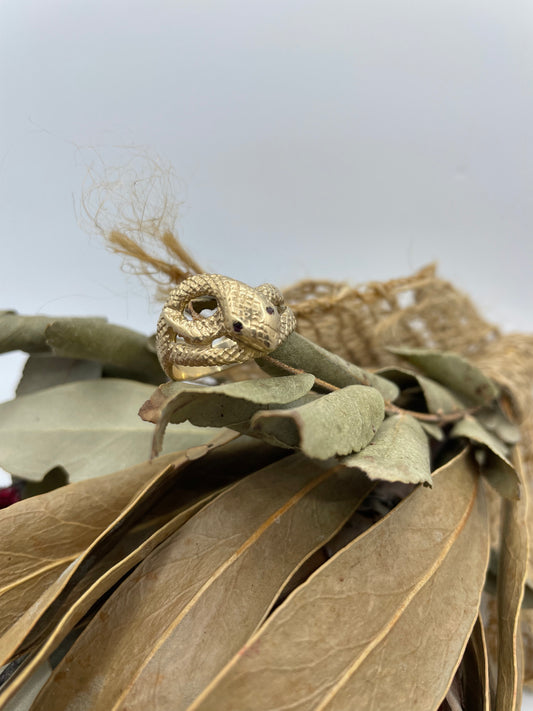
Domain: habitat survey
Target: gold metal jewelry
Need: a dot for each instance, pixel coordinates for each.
(212, 320)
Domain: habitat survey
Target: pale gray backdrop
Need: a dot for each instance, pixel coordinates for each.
(347, 140)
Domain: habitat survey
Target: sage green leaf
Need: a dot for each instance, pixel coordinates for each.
(341, 422)
(384, 622)
(24, 333)
(512, 571)
(439, 400)
(433, 430)
(453, 371)
(494, 464)
(95, 339)
(398, 452)
(90, 428)
(494, 420)
(298, 352)
(193, 603)
(229, 405)
(46, 371)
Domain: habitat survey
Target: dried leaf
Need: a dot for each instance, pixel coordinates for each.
(494, 420)
(90, 428)
(494, 464)
(41, 536)
(474, 671)
(25, 697)
(229, 405)
(341, 422)
(199, 596)
(439, 400)
(299, 352)
(24, 333)
(384, 621)
(78, 588)
(453, 371)
(46, 371)
(96, 339)
(512, 570)
(398, 452)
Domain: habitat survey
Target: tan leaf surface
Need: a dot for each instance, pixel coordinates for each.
(42, 535)
(512, 570)
(183, 613)
(38, 617)
(383, 623)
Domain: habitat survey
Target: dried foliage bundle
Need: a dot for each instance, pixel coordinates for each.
(350, 535)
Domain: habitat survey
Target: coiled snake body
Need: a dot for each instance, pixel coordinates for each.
(248, 322)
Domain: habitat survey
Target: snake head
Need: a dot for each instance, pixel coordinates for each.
(257, 324)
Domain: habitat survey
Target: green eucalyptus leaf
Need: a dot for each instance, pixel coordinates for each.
(439, 400)
(335, 424)
(453, 371)
(398, 452)
(493, 461)
(89, 427)
(494, 420)
(299, 352)
(229, 405)
(23, 333)
(46, 371)
(95, 339)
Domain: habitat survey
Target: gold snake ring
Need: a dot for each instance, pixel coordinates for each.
(212, 320)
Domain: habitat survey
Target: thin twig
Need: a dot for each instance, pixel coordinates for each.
(390, 408)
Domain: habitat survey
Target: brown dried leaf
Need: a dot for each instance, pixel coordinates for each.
(385, 621)
(42, 535)
(512, 570)
(200, 595)
(65, 602)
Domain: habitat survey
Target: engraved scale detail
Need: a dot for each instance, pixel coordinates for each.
(249, 321)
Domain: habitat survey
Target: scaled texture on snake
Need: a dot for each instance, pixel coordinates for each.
(249, 322)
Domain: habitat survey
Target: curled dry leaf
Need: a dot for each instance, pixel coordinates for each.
(341, 422)
(200, 595)
(42, 535)
(398, 452)
(229, 405)
(90, 428)
(65, 601)
(95, 339)
(512, 571)
(298, 352)
(455, 372)
(439, 400)
(383, 622)
(46, 371)
(493, 461)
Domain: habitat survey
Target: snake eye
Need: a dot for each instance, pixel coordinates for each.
(269, 310)
(237, 326)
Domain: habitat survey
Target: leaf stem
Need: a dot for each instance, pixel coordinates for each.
(390, 408)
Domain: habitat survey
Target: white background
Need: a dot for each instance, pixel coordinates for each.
(325, 139)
